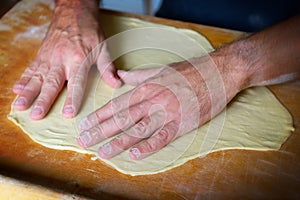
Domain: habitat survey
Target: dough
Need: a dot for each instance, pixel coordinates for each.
(254, 120)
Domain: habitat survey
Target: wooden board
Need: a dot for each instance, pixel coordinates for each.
(225, 174)
(11, 188)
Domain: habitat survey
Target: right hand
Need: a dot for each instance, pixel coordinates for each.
(167, 103)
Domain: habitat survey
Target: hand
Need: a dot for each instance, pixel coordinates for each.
(167, 103)
(74, 32)
(171, 101)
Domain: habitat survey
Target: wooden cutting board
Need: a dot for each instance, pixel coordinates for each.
(222, 175)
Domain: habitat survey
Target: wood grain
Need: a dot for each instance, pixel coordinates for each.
(222, 175)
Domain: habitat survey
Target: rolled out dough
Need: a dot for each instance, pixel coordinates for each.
(254, 120)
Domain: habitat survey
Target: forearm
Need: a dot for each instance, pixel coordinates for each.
(269, 57)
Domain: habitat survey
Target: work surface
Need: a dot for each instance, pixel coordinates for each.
(224, 174)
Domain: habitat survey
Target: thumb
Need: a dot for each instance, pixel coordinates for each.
(137, 76)
(107, 68)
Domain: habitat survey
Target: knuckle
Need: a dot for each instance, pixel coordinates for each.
(31, 69)
(120, 116)
(78, 56)
(97, 133)
(121, 119)
(141, 129)
(97, 117)
(60, 48)
(163, 136)
(146, 104)
(144, 87)
(41, 100)
(136, 111)
(75, 38)
(38, 77)
(119, 141)
(150, 146)
(116, 104)
(77, 81)
(53, 83)
(44, 67)
(40, 74)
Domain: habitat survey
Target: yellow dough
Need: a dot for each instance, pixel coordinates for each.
(254, 120)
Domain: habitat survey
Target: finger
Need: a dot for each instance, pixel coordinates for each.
(25, 78)
(32, 88)
(29, 93)
(132, 97)
(138, 76)
(156, 142)
(51, 88)
(107, 69)
(143, 129)
(120, 121)
(106, 112)
(75, 92)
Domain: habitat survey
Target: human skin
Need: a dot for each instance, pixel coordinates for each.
(72, 35)
(171, 101)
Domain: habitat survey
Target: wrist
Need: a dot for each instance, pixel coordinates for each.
(82, 13)
(231, 62)
(77, 19)
(245, 59)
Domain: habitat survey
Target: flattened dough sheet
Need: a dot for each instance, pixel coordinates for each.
(254, 120)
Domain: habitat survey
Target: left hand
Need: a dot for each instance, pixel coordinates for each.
(73, 43)
(169, 102)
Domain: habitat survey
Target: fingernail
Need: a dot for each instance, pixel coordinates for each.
(85, 124)
(21, 101)
(135, 152)
(69, 109)
(106, 149)
(84, 139)
(37, 110)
